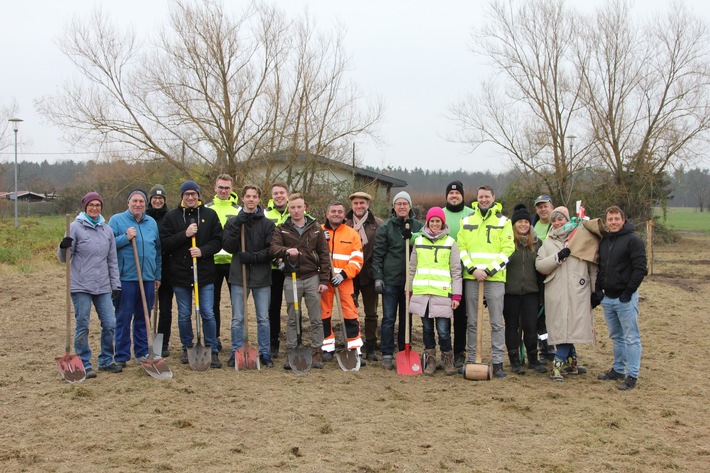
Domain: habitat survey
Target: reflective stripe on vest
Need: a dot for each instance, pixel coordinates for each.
(433, 274)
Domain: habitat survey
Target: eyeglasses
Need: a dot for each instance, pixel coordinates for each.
(94, 205)
(190, 194)
(223, 188)
(401, 204)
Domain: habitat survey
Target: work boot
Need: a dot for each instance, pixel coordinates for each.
(231, 361)
(429, 360)
(556, 372)
(498, 370)
(122, 364)
(90, 373)
(460, 359)
(164, 353)
(215, 360)
(317, 355)
(184, 359)
(327, 356)
(537, 365)
(387, 362)
(572, 367)
(287, 366)
(448, 359)
(517, 367)
(370, 351)
(112, 368)
(611, 375)
(265, 360)
(629, 383)
(363, 361)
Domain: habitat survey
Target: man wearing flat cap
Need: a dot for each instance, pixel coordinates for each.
(365, 223)
(135, 224)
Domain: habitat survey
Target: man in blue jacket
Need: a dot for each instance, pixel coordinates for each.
(127, 226)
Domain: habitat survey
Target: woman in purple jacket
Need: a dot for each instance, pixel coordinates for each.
(94, 279)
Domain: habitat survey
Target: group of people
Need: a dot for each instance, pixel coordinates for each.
(539, 293)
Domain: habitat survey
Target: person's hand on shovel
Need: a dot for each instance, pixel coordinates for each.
(131, 233)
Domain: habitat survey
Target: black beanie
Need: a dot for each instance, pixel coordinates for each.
(457, 186)
(520, 212)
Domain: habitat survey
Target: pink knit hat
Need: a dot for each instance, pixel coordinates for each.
(435, 212)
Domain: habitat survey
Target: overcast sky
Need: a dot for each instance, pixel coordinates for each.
(412, 54)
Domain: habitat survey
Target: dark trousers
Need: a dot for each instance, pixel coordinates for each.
(221, 274)
(369, 301)
(520, 312)
(460, 324)
(165, 310)
(277, 293)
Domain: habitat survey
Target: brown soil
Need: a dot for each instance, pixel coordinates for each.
(369, 421)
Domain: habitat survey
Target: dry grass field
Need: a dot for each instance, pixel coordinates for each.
(369, 421)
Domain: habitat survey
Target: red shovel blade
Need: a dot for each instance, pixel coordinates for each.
(246, 358)
(157, 368)
(71, 368)
(408, 362)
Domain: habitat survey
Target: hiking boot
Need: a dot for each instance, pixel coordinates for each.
(112, 368)
(611, 375)
(121, 364)
(287, 366)
(387, 362)
(517, 368)
(327, 356)
(215, 360)
(265, 360)
(184, 359)
(90, 373)
(317, 355)
(429, 361)
(629, 383)
(459, 360)
(231, 361)
(572, 367)
(498, 370)
(164, 353)
(556, 372)
(538, 365)
(448, 359)
(370, 354)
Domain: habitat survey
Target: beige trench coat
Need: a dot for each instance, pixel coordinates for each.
(568, 289)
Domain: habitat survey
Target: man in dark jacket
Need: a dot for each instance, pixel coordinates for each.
(365, 223)
(622, 267)
(389, 270)
(300, 241)
(158, 208)
(258, 232)
(193, 222)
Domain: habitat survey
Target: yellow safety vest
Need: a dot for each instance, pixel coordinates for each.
(433, 274)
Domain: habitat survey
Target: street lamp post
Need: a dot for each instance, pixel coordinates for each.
(571, 139)
(15, 125)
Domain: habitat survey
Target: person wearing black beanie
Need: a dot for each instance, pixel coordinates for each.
(455, 210)
(520, 212)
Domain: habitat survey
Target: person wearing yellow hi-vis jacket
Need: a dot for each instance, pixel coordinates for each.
(485, 243)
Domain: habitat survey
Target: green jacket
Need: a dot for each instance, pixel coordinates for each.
(486, 242)
(225, 208)
(521, 275)
(388, 260)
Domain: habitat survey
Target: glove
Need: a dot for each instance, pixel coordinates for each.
(357, 304)
(406, 233)
(625, 297)
(241, 218)
(563, 254)
(379, 286)
(471, 270)
(596, 300)
(338, 279)
(115, 295)
(327, 236)
(66, 243)
(247, 257)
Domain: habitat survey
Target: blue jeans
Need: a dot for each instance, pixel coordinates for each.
(262, 300)
(129, 315)
(622, 319)
(393, 297)
(564, 351)
(183, 296)
(82, 312)
(443, 327)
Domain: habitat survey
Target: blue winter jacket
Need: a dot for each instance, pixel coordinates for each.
(147, 243)
(94, 268)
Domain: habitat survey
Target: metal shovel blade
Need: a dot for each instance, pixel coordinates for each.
(408, 362)
(71, 368)
(246, 358)
(157, 368)
(199, 357)
(300, 359)
(349, 360)
(158, 344)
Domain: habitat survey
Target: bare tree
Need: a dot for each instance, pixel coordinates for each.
(697, 183)
(646, 93)
(212, 93)
(528, 110)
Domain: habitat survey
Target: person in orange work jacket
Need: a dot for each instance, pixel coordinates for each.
(345, 249)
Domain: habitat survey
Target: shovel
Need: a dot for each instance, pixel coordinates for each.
(348, 358)
(408, 361)
(300, 358)
(478, 371)
(70, 366)
(157, 337)
(156, 367)
(199, 356)
(246, 357)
